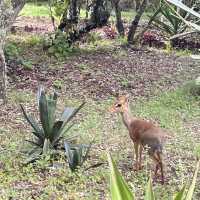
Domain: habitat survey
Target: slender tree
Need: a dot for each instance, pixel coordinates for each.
(135, 22)
(8, 13)
(119, 22)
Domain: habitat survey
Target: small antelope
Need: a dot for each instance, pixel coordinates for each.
(142, 133)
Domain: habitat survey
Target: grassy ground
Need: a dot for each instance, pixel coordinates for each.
(175, 110)
(42, 10)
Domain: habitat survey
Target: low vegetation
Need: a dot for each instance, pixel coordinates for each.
(55, 146)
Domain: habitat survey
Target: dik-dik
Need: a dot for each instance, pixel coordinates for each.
(143, 134)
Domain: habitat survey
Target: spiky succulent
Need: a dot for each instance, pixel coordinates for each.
(49, 132)
(76, 154)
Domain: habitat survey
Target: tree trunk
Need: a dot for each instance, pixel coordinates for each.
(135, 22)
(8, 14)
(74, 11)
(3, 70)
(119, 22)
(70, 16)
(98, 18)
(137, 4)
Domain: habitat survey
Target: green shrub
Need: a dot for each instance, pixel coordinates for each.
(57, 45)
(11, 50)
(51, 131)
(27, 64)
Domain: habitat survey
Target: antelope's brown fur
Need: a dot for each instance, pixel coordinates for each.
(143, 133)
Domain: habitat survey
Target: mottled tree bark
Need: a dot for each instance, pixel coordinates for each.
(135, 22)
(8, 13)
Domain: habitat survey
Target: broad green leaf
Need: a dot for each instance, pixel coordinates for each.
(87, 147)
(119, 188)
(51, 113)
(40, 90)
(67, 113)
(47, 108)
(33, 155)
(44, 113)
(181, 5)
(180, 194)
(62, 133)
(37, 131)
(187, 9)
(55, 133)
(72, 156)
(74, 113)
(191, 188)
(149, 194)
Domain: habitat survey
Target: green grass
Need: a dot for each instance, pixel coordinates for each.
(35, 9)
(173, 110)
(42, 9)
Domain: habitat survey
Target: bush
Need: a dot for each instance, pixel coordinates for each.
(57, 45)
(11, 51)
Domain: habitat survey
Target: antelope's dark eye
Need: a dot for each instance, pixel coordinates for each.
(118, 105)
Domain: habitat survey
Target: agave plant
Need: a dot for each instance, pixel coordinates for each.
(76, 154)
(177, 17)
(171, 24)
(120, 189)
(179, 4)
(51, 131)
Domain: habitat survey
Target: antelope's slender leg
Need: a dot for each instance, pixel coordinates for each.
(140, 158)
(157, 157)
(136, 147)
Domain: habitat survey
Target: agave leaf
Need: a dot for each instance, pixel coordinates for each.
(67, 113)
(68, 139)
(37, 131)
(149, 194)
(33, 143)
(180, 194)
(119, 188)
(87, 147)
(192, 186)
(184, 7)
(74, 113)
(35, 150)
(61, 134)
(47, 109)
(187, 9)
(46, 146)
(165, 27)
(40, 90)
(79, 153)
(56, 130)
(34, 155)
(71, 156)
